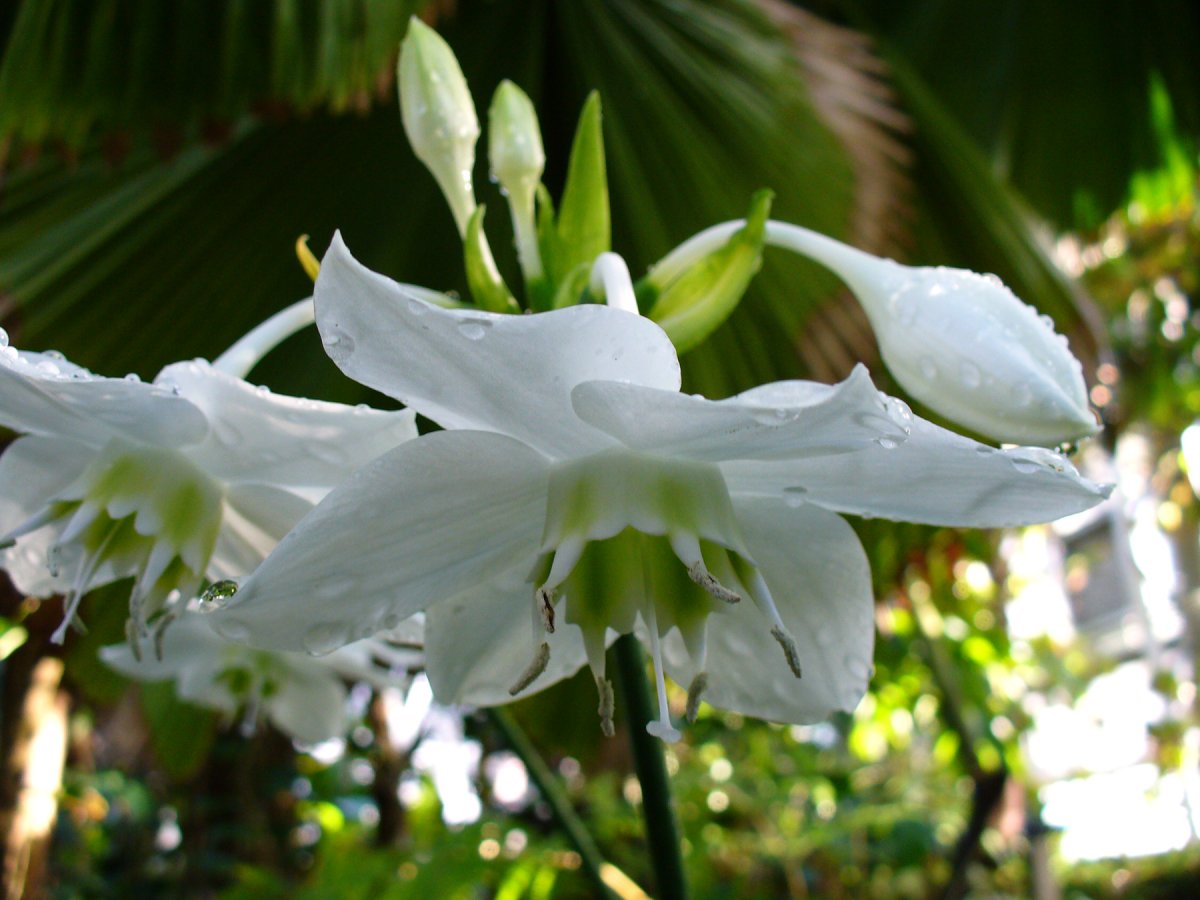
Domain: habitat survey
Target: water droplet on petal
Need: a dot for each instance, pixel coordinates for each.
(132, 377)
(984, 450)
(323, 639)
(474, 329)
(886, 442)
(338, 345)
(794, 496)
(54, 354)
(416, 307)
(3, 338)
(231, 629)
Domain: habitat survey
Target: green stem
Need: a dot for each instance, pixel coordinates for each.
(662, 831)
(552, 792)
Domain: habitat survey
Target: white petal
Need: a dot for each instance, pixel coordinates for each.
(33, 470)
(424, 522)
(310, 703)
(39, 395)
(821, 582)
(255, 518)
(257, 435)
(478, 644)
(505, 373)
(935, 477)
(780, 421)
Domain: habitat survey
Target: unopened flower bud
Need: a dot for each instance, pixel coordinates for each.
(963, 344)
(439, 116)
(517, 160)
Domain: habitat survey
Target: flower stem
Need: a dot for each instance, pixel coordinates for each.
(662, 831)
(554, 795)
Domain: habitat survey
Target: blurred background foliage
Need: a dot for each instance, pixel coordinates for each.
(158, 162)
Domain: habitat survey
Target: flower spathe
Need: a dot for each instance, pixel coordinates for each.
(579, 495)
(303, 697)
(196, 475)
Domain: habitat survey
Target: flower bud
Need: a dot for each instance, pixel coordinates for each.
(515, 143)
(963, 344)
(439, 116)
(517, 159)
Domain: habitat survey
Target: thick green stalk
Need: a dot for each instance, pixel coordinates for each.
(662, 832)
(552, 792)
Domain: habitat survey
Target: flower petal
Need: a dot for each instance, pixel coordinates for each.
(422, 523)
(478, 644)
(33, 470)
(505, 373)
(780, 421)
(260, 436)
(935, 477)
(253, 521)
(821, 583)
(310, 702)
(43, 395)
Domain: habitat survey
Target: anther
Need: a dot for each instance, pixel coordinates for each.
(545, 599)
(789, 649)
(607, 705)
(308, 262)
(695, 689)
(160, 632)
(708, 581)
(541, 659)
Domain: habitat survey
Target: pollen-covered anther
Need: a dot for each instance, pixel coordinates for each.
(708, 581)
(789, 649)
(545, 600)
(541, 659)
(607, 705)
(695, 690)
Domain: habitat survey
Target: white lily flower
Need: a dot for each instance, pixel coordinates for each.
(303, 697)
(581, 495)
(193, 477)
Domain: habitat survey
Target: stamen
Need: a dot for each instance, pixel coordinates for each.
(789, 649)
(33, 523)
(134, 639)
(540, 660)
(607, 705)
(662, 727)
(308, 262)
(160, 632)
(708, 581)
(566, 555)
(695, 689)
(687, 549)
(87, 568)
(545, 601)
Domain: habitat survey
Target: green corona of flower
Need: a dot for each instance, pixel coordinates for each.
(577, 494)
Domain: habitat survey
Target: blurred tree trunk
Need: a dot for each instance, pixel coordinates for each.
(33, 749)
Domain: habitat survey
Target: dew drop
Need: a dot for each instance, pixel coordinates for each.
(3, 338)
(232, 629)
(473, 329)
(993, 279)
(985, 450)
(794, 496)
(132, 377)
(886, 442)
(217, 595)
(46, 367)
(970, 374)
(770, 416)
(1024, 466)
(54, 354)
(338, 345)
(416, 307)
(323, 639)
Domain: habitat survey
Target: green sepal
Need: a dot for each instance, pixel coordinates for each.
(693, 305)
(541, 294)
(488, 289)
(573, 289)
(583, 229)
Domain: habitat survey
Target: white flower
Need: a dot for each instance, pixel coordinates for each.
(581, 495)
(195, 476)
(303, 697)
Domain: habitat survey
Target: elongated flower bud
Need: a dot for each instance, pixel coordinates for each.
(517, 159)
(439, 116)
(966, 346)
